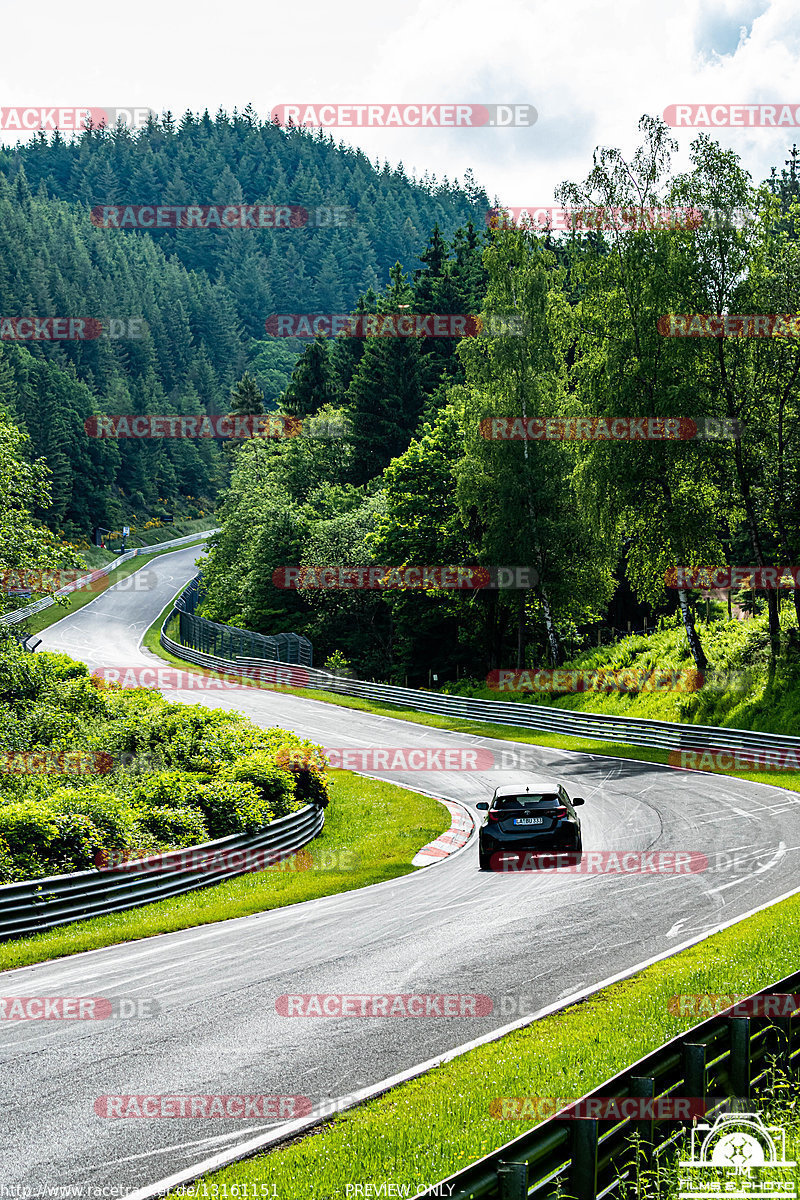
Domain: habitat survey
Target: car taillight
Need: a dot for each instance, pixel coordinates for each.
(559, 812)
(493, 816)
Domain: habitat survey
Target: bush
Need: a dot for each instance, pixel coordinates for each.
(175, 826)
(233, 807)
(113, 819)
(29, 832)
(275, 785)
(8, 872)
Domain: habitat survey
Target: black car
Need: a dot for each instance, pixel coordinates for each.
(534, 816)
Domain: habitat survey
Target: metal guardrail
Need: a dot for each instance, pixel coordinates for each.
(725, 1056)
(21, 614)
(228, 643)
(632, 731)
(38, 904)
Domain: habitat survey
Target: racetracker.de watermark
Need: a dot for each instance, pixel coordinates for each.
(711, 1004)
(269, 674)
(717, 116)
(73, 118)
(409, 116)
(51, 762)
(390, 758)
(210, 216)
(707, 578)
(215, 861)
(70, 329)
(340, 577)
(275, 1108)
(600, 862)
(753, 758)
(559, 679)
(598, 1108)
(402, 324)
(727, 325)
(72, 579)
(383, 1004)
(590, 217)
(624, 429)
(77, 1008)
(229, 426)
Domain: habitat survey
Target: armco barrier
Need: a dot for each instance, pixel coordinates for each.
(583, 1158)
(39, 904)
(21, 614)
(632, 731)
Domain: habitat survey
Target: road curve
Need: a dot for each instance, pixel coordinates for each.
(525, 940)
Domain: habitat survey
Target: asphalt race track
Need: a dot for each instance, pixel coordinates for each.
(524, 939)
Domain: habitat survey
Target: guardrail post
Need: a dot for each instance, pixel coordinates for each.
(694, 1070)
(783, 1048)
(512, 1181)
(644, 1088)
(740, 1056)
(583, 1183)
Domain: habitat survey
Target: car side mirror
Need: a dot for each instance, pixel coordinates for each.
(482, 805)
(578, 800)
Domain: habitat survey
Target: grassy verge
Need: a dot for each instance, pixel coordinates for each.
(77, 599)
(508, 733)
(372, 832)
(425, 1130)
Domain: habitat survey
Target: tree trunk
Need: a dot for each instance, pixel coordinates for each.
(552, 632)
(695, 645)
(521, 631)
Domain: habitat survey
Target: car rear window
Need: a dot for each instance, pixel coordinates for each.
(528, 800)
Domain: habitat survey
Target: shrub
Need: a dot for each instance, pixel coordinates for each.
(175, 826)
(113, 818)
(29, 832)
(8, 873)
(233, 807)
(275, 784)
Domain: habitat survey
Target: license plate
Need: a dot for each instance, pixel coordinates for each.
(528, 820)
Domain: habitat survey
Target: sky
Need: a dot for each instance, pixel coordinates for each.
(590, 70)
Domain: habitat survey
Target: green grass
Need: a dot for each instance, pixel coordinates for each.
(77, 599)
(425, 1130)
(380, 825)
(752, 701)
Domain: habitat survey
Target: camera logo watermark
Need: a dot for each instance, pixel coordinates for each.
(374, 578)
(577, 429)
(77, 1008)
(716, 116)
(170, 679)
(275, 1108)
(399, 116)
(724, 325)
(740, 1143)
(628, 680)
(406, 1004)
(73, 119)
